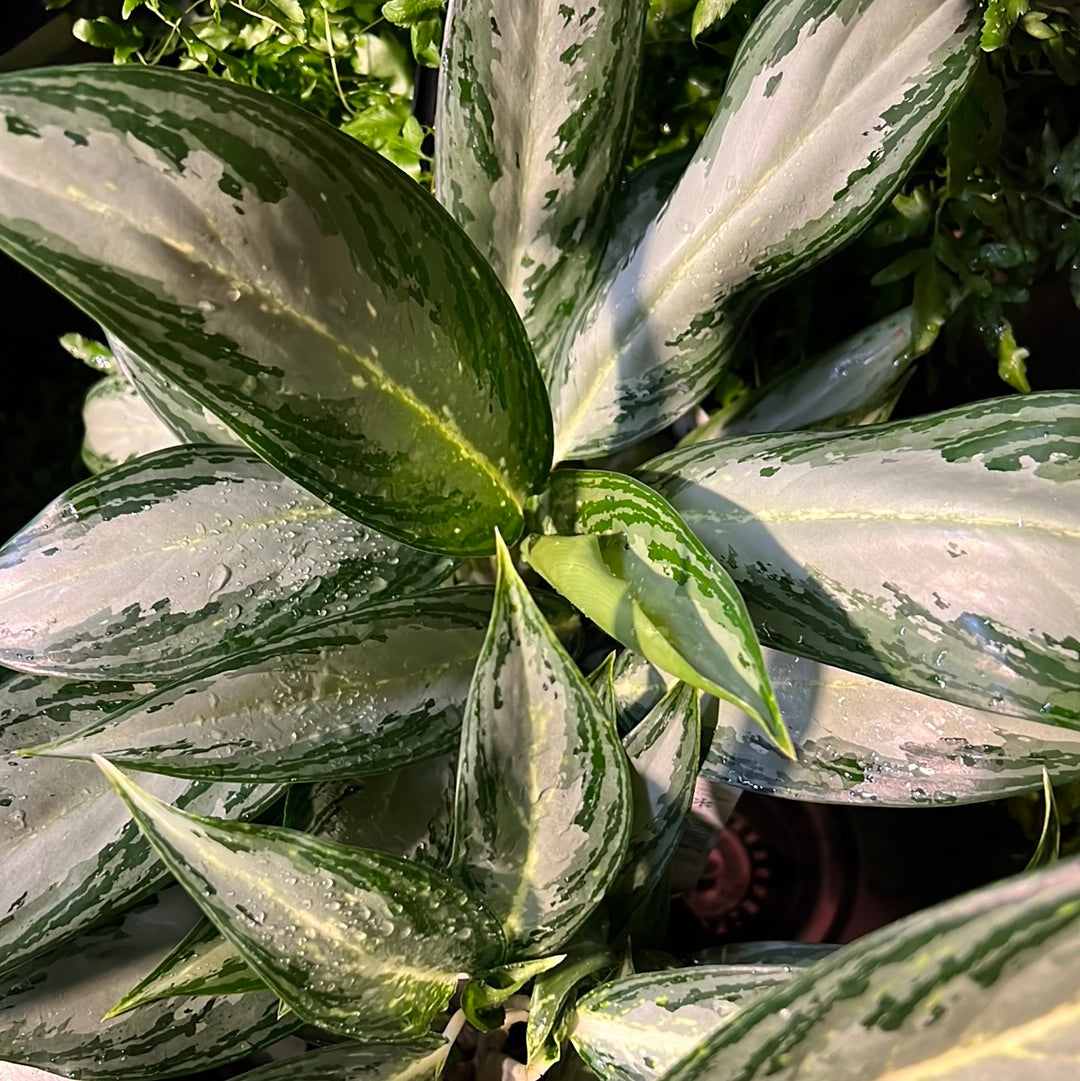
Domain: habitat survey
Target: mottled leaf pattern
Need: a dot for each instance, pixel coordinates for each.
(160, 567)
(412, 1060)
(935, 553)
(986, 986)
(119, 425)
(293, 282)
(69, 851)
(828, 104)
(354, 941)
(543, 804)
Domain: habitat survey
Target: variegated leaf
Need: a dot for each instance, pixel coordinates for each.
(364, 695)
(635, 1028)
(189, 421)
(534, 111)
(418, 1059)
(69, 852)
(354, 941)
(203, 962)
(663, 751)
(859, 740)
(986, 987)
(549, 1014)
(162, 566)
(407, 812)
(51, 1010)
(828, 105)
(638, 572)
(119, 425)
(288, 279)
(542, 812)
(935, 553)
(482, 998)
(847, 385)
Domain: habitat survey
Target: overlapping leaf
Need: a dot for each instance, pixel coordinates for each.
(292, 282)
(542, 811)
(934, 553)
(981, 987)
(368, 694)
(51, 1010)
(354, 941)
(69, 852)
(411, 1060)
(161, 567)
(119, 425)
(635, 1028)
(859, 740)
(534, 109)
(828, 105)
(639, 573)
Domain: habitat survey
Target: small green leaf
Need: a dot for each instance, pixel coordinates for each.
(354, 941)
(543, 803)
(483, 996)
(424, 39)
(999, 18)
(707, 14)
(1011, 357)
(202, 963)
(637, 571)
(93, 354)
(408, 12)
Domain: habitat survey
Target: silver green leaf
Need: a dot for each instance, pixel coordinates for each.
(181, 414)
(203, 962)
(847, 385)
(407, 812)
(934, 553)
(70, 853)
(828, 105)
(638, 572)
(162, 566)
(482, 998)
(289, 280)
(534, 111)
(119, 425)
(859, 740)
(51, 1010)
(635, 1028)
(542, 811)
(663, 751)
(354, 941)
(549, 1014)
(986, 986)
(412, 1060)
(378, 690)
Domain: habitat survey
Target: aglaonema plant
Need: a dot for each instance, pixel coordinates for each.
(349, 393)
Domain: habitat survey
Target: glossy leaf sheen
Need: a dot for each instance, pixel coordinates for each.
(935, 553)
(828, 105)
(542, 810)
(859, 740)
(663, 594)
(984, 987)
(412, 1060)
(534, 110)
(119, 425)
(634, 1028)
(369, 694)
(165, 565)
(51, 1011)
(69, 851)
(294, 283)
(354, 941)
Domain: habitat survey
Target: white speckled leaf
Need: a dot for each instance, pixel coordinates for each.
(70, 853)
(357, 695)
(982, 988)
(51, 1010)
(119, 425)
(828, 105)
(410, 1060)
(160, 567)
(542, 810)
(936, 553)
(634, 1028)
(354, 941)
(859, 740)
(534, 110)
